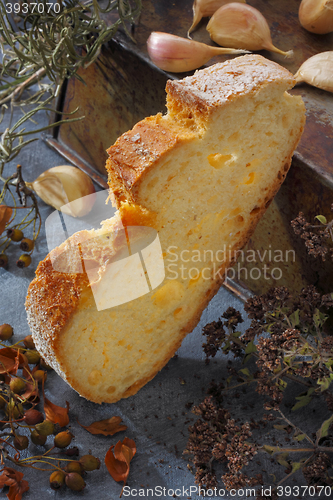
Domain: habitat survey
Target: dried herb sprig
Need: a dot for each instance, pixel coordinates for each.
(63, 38)
(23, 374)
(292, 346)
(48, 44)
(318, 238)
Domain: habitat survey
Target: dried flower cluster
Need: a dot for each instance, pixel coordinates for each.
(318, 237)
(288, 340)
(216, 436)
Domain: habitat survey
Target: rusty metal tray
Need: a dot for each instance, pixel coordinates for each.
(123, 86)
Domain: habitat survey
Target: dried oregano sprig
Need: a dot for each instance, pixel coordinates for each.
(298, 350)
(318, 237)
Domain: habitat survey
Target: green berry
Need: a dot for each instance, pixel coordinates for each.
(32, 356)
(74, 466)
(14, 411)
(44, 365)
(28, 342)
(6, 331)
(45, 428)
(40, 375)
(27, 245)
(24, 261)
(15, 234)
(74, 481)
(89, 462)
(37, 438)
(17, 385)
(63, 439)
(57, 479)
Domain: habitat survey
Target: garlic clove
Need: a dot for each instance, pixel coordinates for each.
(175, 54)
(65, 188)
(316, 16)
(206, 8)
(240, 25)
(317, 71)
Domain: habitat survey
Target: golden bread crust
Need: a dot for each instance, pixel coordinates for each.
(128, 158)
(190, 102)
(222, 83)
(53, 297)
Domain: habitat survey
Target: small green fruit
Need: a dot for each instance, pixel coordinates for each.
(45, 428)
(63, 439)
(40, 375)
(74, 481)
(21, 442)
(38, 439)
(23, 261)
(57, 479)
(32, 356)
(17, 385)
(6, 332)
(74, 466)
(15, 234)
(28, 342)
(27, 245)
(44, 365)
(3, 260)
(89, 462)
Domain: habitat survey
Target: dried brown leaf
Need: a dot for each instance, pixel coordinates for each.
(14, 479)
(118, 469)
(126, 451)
(107, 427)
(56, 414)
(118, 458)
(5, 216)
(10, 359)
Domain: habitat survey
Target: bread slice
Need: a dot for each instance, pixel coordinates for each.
(201, 176)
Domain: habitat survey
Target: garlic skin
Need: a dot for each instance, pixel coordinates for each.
(64, 188)
(316, 16)
(175, 54)
(317, 71)
(206, 8)
(240, 25)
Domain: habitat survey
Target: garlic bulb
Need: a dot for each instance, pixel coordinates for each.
(206, 8)
(317, 71)
(316, 16)
(64, 188)
(242, 26)
(176, 54)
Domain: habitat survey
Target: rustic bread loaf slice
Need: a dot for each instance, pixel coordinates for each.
(201, 176)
